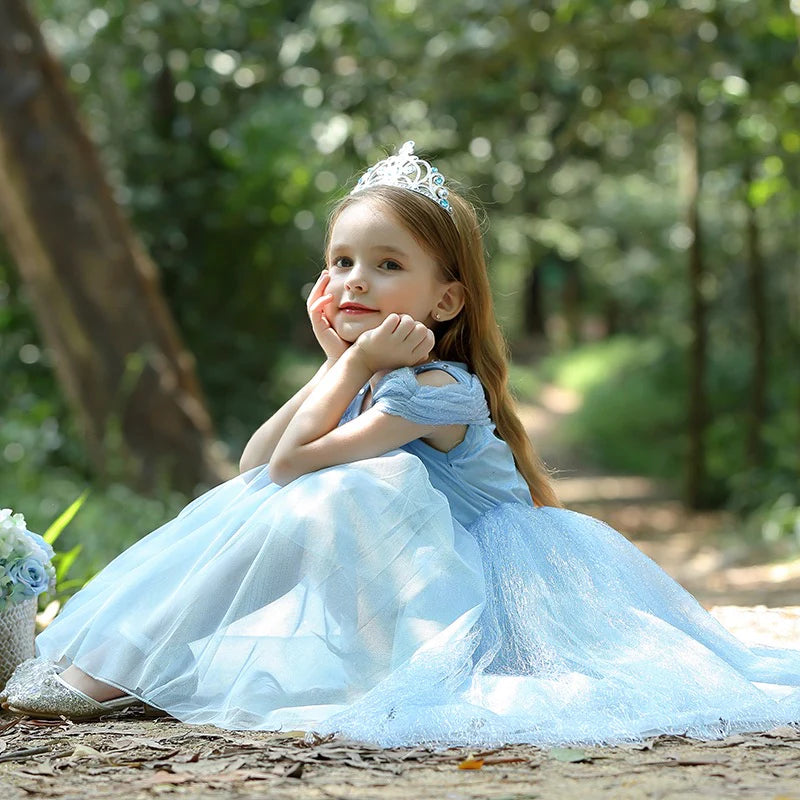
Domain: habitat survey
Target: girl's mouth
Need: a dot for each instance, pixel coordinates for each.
(356, 310)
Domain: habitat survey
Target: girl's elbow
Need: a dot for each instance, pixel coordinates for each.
(246, 464)
(282, 472)
(284, 469)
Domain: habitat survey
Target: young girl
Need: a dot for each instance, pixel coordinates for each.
(392, 563)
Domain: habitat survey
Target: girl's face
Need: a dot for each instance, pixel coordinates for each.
(377, 268)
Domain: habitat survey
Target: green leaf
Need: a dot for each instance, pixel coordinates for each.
(65, 587)
(54, 531)
(63, 561)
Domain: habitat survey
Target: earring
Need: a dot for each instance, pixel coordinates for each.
(436, 315)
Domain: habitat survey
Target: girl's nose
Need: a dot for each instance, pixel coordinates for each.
(355, 280)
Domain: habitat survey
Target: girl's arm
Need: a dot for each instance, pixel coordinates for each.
(261, 444)
(312, 439)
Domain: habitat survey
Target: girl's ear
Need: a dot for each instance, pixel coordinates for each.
(451, 302)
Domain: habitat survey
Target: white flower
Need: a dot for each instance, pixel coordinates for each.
(25, 568)
(6, 546)
(6, 522)
(9, 520)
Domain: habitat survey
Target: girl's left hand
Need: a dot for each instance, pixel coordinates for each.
(399, 341)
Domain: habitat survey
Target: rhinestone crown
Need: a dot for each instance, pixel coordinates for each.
(407, 171)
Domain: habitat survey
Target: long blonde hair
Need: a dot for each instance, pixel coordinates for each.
(473, 336)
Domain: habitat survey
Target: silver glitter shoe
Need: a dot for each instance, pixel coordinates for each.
(26, 673)
(37, 690)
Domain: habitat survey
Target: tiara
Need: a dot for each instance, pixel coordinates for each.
(407, 171)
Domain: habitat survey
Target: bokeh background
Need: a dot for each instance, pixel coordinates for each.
(637, 163)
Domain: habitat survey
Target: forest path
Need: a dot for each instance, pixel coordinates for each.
(698, 549)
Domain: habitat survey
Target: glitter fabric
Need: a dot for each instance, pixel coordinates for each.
(417, 597)
(27, 674)
(36, 689)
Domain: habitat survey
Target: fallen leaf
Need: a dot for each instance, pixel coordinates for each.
(569, 754)
(47, 723)
(294, 771)
(240, 775)
(417, 754)
(162, 777)
(16, 755)
(45, 768)
(728, 741)
(698, 762)
(12, 723)
(153, 744)
(485, 753)
(782, 732)
(673, 761)
(84, 751)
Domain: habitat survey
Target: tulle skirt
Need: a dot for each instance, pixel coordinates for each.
(351, 601)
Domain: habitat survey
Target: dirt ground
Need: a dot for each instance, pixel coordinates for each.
(136, 755)
(132, 757)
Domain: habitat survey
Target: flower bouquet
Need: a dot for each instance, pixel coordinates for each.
(25, 572)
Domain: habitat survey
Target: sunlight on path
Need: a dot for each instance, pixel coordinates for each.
(697, 549)
(759, 625)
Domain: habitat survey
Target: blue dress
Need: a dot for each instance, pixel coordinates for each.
(418, 597)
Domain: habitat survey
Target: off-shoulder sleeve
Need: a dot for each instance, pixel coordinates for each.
(461, 403)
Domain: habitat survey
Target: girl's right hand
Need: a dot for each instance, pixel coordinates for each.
(328, 339)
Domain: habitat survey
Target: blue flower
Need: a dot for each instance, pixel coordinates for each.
(48, 550)
(30, 574)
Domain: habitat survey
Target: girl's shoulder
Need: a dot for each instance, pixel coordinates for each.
(448, 394)
(436, 372)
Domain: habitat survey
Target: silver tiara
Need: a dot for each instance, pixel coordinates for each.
(408, 172)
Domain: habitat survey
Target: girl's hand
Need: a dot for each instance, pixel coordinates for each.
(328, 339)
(399, 341)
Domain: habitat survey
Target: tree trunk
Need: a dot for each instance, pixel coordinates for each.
(571, 299)
(698, 412)
(756, 278)
(533, 307)
(94, 290)
(612, 316)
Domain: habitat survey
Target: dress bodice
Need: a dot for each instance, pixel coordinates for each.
(479, 472)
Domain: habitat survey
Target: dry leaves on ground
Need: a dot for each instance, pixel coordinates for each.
(133, 756)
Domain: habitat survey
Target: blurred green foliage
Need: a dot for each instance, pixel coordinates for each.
(227, 128)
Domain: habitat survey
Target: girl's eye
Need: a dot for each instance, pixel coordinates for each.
(342, 262)
(390, 265)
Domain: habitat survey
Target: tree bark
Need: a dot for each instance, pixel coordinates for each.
(94, 290)
(697, 411)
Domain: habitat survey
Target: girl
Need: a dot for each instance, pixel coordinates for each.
(392, 563)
